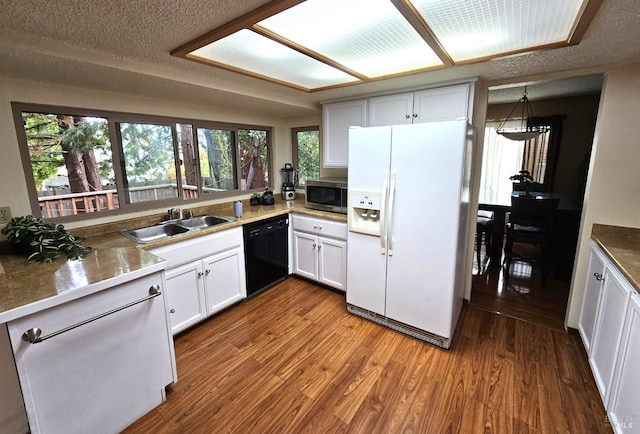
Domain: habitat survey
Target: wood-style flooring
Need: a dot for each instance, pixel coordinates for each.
(292, 360)
(522, 296)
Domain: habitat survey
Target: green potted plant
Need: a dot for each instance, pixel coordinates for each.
(42, 241)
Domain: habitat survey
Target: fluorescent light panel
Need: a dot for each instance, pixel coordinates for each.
(251, 52)
(471, 29)
(370, 37)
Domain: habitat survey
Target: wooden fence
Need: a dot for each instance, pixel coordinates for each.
(59, 205)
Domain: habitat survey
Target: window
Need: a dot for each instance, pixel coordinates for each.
(149, 166)
(306, 152)
(85, 161)
(503, 158)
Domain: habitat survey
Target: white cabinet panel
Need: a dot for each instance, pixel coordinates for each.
(429, 105)
(225, 282)
(320, 227)
(441, 104)
(332, 263)
(591, 296)
(391, 110)
(320, 250)
(625, 397)
(102, 375)
(608, 329)
(185, 296)
(208, 283)
(336, 120)
(305, 255)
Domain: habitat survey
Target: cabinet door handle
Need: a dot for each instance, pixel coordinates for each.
(172, 311)
(415, 115)
(598, 276)
(407, 116)
(319, 246)
(314, 245)
(207, 271)
(34, 335)
(317, 227)
(200, 274)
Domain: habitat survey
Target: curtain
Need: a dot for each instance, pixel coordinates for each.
(501, 158)
(540, 155)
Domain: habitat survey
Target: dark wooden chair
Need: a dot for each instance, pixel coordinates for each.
(484, 229)
(531, 221)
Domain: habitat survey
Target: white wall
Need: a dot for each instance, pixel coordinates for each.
(613, 186)
(13, 189)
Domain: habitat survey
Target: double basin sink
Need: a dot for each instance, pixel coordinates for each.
(171, 228)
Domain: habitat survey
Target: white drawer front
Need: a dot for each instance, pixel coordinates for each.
(321, 227)
(186, 251)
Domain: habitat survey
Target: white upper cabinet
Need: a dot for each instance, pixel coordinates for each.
(429, 105)
(336, 120)
(391, 110)
(442, 104)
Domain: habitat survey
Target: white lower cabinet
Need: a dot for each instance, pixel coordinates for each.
(186, 304)
(103, 362)
(624, 407)
(591, 296)
(205, 275)
(608, 329)
(224, 279)
(320, 250)
(609, 325)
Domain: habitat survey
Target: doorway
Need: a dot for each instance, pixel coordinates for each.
(522, 295)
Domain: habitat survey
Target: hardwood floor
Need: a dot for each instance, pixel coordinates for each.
(293, 360)
(521, 296)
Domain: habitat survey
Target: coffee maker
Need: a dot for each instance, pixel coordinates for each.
(289, 179)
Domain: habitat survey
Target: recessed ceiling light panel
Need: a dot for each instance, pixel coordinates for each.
(370, 37)
(469, 29)
(248, 51)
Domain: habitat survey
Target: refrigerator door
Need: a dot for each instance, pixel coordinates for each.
(428, 163)
(369, 157)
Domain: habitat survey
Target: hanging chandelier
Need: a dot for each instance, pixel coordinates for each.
(526, 130)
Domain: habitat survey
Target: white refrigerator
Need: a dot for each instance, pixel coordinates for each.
(408, 217)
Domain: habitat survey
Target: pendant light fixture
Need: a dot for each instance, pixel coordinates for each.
(526, 130)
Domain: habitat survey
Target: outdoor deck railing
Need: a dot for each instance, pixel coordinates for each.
(80, 203)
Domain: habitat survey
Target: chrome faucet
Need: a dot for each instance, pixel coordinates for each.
(170, 214)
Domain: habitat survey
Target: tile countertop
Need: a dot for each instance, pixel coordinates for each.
(622, 246)
(28, 287)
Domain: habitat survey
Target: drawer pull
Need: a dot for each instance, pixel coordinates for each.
(34, 335)
(598, 276)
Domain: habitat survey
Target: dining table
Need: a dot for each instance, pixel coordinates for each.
(564, 240)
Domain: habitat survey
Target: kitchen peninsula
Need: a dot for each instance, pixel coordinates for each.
(114, 354)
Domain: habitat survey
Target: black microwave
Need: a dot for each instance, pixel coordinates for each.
(327, 194)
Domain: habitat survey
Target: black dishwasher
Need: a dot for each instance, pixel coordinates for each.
(266, 252)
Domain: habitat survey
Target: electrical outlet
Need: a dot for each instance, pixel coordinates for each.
(5, 215)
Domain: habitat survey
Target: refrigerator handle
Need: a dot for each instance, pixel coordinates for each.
(392, 195)
(383, 214)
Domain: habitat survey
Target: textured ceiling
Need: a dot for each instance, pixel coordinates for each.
(117, 45)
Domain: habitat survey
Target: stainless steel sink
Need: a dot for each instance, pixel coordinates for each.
(204, 221)
(154, 233)
(165, 230)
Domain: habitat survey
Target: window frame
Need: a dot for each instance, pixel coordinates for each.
(295, 160)
(116, 117)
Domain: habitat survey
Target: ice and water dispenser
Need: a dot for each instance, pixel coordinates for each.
(364, 212)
